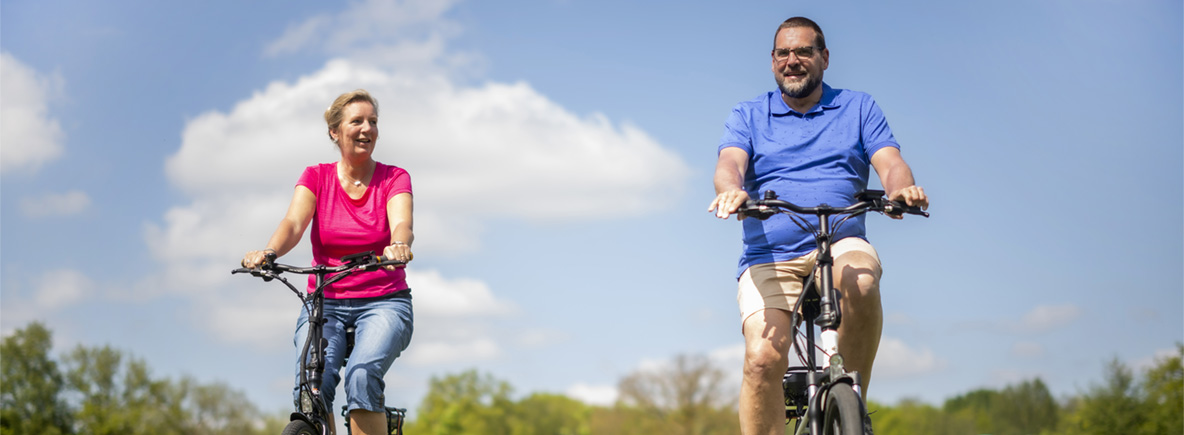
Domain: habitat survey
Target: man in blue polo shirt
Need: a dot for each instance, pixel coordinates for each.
(811, 144)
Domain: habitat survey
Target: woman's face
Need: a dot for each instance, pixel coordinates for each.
(358, 131)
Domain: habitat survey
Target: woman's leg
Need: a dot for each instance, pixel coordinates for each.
(383, 330)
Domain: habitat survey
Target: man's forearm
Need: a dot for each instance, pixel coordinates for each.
(899, 176)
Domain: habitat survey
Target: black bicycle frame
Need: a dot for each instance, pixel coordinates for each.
(310, 406)
(829, 315)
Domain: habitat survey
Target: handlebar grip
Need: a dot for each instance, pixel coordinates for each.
(380, 259)
(753, 208)
(897, 208)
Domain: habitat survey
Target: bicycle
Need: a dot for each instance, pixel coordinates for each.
(312, 413)
(823, 400)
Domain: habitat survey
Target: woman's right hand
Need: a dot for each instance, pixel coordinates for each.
(253, 259)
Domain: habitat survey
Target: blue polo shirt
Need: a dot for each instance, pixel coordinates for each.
(819, 157)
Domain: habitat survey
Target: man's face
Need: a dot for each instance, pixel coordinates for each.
(798, 75)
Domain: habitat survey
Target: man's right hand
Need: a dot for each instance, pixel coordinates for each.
(727, 202)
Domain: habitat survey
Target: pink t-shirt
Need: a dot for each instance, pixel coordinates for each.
(342, 226)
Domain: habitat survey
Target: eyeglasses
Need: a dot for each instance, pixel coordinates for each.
(782, 54)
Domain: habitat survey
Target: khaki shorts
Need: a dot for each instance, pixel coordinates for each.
(778, 285)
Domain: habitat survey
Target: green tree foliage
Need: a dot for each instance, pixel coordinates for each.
(1112, 407)
(1164, 389)
(466, 403)
(100, 390)
(31, 385)
(1122, 405)
(1026, 408)
(913, 417)
(551, 414)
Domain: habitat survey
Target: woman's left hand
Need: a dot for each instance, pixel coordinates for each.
(398, 251)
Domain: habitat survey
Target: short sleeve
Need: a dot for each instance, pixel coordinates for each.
(737, 131)
(874, 131)
(400, 182)
(311, 178)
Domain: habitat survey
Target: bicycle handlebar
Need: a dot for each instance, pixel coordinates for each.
(869, 200)
(365, 261)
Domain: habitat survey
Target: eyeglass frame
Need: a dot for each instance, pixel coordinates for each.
(814, 50)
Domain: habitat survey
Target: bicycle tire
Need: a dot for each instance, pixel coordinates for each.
(299, 427)
(842, 415)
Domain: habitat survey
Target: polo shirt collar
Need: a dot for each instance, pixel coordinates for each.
(829, 100)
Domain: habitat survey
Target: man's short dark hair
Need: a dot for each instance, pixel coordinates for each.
(819, 40)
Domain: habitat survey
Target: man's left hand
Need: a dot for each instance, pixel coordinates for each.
(911, 195)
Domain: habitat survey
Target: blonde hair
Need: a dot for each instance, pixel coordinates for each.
(336, 111)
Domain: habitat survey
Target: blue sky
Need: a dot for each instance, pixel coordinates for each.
(562, 154)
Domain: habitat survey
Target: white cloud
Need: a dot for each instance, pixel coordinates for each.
(56, 204)
(896, 360)
(398, 30)
(451, 351)
(600, 395)
(448, 314)
(1048, 317)
(453, 298)
(29, 135)
(475, 153)
(501, 150)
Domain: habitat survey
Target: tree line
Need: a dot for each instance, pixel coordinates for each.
(99, 390)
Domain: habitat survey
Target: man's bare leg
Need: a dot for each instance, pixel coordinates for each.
(766, 346)
(857, 276)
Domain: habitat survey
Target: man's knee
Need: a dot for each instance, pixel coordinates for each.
(858, 272)
(761, 362)
(767, 338)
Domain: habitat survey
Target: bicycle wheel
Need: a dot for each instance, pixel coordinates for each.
(842, 415)
(299, 427)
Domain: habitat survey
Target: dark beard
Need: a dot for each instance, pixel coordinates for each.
(808, 88)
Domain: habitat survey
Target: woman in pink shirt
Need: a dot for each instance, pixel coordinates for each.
(354, 205)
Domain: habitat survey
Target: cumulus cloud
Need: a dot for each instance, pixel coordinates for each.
(475, 153)
(56, 204)
(499, 150)
(438, 352)
(402, 33)
(448, 314)
(1049, 317)
(454, 298)
(29, 134)
(896, 360)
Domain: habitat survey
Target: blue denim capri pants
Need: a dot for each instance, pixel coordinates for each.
(383, 327)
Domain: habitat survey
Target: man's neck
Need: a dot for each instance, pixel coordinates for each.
(804, 104)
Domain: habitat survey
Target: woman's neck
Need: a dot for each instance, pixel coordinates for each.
(357, 170)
